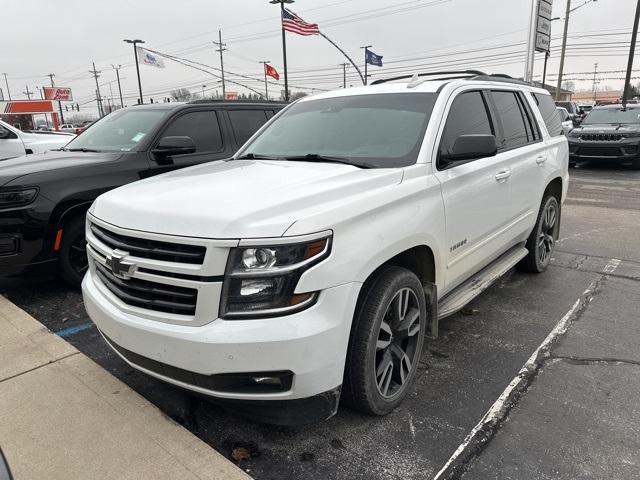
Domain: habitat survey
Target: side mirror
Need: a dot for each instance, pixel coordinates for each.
(174, 145)
(469, 147)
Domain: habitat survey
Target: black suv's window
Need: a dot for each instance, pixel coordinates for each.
(468, 115)
(246, 122)
(514, 130)
(201, 126)
(614, 115)
(549, 113)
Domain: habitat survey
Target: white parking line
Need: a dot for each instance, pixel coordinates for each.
(494, 412)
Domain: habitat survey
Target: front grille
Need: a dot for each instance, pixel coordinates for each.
(150, 295)
(601, 137)
(152, 249)
(600, 151)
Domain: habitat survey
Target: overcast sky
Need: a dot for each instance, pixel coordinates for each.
(40, 37)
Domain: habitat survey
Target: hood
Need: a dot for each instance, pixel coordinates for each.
(236, 199)
(607, 127)
(13, 168)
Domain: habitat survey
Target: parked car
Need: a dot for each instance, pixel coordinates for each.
(69, 128)
(83, 127)
(44, 198)
(314, 262)
(609, 133)
(15, 142)
(567, 124)
(585, 107)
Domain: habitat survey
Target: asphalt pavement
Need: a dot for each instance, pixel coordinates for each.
(573, 412)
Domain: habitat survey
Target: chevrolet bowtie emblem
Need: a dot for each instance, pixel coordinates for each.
(121, 269)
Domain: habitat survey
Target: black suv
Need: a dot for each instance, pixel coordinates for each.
(608, 133)
(44, 197)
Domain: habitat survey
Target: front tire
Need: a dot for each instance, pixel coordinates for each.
(542, 241)
(386, 342)
(73, 253)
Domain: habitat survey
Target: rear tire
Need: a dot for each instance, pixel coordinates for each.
(542, 240)
(386, 341)
(72, 256)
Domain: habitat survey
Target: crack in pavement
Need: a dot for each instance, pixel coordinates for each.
(482, 434)
(50, 362)
(592, 360)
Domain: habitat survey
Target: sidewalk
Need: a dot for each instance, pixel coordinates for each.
(63, 417)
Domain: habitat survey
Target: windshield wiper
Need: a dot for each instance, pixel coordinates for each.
(84, 150)
(316, 157)
(258, 156)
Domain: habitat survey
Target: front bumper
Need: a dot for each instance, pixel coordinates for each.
(620, 151)
(312, 344)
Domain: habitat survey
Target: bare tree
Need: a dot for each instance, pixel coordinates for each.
(181, 95)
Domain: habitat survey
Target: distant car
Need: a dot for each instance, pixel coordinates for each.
(585, 107)
(83, 127)
(575, 112)
(567, 124)
(609, 133)
(68, 127)
(15, 143)
(44, 128)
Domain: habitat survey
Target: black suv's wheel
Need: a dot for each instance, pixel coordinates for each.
(73, 252)
(386, 342)
(542, 240)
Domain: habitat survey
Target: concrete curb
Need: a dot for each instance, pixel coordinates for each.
(62, 416)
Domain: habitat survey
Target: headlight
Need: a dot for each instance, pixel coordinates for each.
(17, 198)
(630, 134)
(260, 280)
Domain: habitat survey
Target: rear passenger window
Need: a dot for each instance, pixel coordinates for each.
(246, 122)
(468, 115)
(549, 114)
(202, 127)
(514, 131)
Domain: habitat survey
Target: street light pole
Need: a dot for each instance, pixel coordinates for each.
(135, 54)
(632, 49)
(203, 87)
(284, 47)
(117, 69)
(266, 87)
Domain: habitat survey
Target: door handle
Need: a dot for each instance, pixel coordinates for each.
(503, 175)
(541, 159)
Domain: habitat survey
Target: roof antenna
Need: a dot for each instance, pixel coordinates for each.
(415, 81)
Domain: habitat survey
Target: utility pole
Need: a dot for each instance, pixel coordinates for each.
(284, 47)
(51, 75)
(28, 93)
(266, 87)
(595, 82)
(7, 84)
(531, 42)
(344, 74)
(366, 77)
(95, 74)
(221, 49)
(135, 54)
(117, 69)
(632, 49)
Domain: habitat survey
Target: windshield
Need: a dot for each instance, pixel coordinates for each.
(613, 115)
(378, 130)
(119, 131)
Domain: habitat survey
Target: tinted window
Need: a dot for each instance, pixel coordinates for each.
(269, 113)
(246, 122)
(514, 132)
(531, 123)
(467, 115)
(381, 130)
(613, 115)
(549, 114)
(202, 127)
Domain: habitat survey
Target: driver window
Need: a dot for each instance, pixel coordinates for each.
(201, 126)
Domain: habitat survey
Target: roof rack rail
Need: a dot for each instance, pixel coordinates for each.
(431, 74)
(500, 77)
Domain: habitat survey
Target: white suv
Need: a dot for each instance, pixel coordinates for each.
(314, 262)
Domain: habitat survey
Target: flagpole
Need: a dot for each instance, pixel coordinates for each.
(284, 47)
(135, 53)
(366, 49)
(266, 87)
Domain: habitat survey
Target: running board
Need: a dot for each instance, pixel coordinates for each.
(474, 286)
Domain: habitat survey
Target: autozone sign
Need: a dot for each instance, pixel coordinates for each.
(26, 106)
(58, 93)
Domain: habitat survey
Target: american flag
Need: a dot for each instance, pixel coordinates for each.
(292, 23)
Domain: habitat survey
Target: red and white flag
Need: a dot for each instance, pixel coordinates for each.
(271, 71)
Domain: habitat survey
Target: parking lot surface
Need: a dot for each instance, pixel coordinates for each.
(572, 412)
